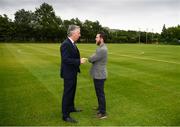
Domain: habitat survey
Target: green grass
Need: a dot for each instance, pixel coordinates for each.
(143, 87)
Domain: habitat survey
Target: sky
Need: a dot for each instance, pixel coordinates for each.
(143, 15)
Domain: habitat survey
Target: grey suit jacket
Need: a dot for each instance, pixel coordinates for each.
(99, 61)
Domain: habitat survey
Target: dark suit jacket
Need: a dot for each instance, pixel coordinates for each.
(70, 60)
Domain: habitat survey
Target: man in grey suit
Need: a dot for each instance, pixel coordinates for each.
(99, 73)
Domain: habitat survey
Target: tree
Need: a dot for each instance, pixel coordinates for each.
(171, 35)
(164, 34)
(6, 28)
(90, 29)
(24, 22)
(47, 24)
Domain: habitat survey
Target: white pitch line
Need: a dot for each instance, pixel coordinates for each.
(122, 55)
(165, 61)
(142, 58)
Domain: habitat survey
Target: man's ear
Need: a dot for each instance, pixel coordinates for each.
(101, 39)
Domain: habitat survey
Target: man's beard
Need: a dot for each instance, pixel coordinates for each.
(98, 43)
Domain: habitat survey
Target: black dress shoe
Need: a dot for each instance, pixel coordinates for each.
(69, 119)
(76, 110)
(101, 115)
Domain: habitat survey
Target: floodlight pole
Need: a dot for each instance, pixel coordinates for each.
(152, 34)
(146, 35)
(139, 36)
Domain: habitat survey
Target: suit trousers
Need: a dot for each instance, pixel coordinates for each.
(99, 88)
(68, 96)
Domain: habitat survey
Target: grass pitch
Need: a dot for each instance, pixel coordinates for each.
(143, 85)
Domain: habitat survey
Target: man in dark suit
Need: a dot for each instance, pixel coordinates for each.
(70, 62)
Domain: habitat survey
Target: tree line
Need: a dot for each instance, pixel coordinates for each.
(43, 25)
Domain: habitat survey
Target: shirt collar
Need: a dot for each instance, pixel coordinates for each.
(71, 40)
(101, 45)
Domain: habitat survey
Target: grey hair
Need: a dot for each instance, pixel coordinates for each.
(71, 29)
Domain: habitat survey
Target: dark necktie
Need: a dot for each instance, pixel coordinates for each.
(74, 46)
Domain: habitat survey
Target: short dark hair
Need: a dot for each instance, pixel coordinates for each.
(102, 35)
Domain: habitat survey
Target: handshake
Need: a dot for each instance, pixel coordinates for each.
(83, 60)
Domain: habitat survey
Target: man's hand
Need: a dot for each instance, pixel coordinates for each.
(83, 60)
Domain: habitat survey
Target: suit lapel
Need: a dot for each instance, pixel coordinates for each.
(75, 49)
